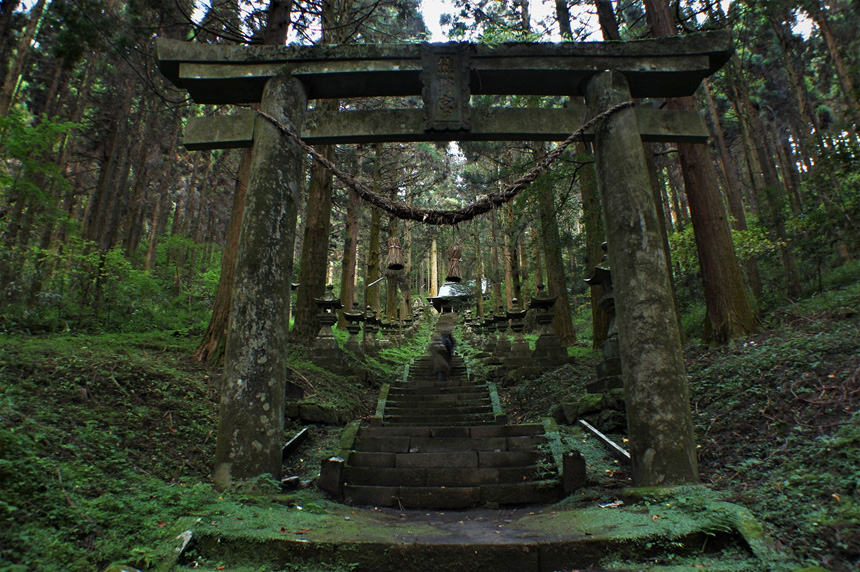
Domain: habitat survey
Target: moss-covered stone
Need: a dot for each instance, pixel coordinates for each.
(687, 525)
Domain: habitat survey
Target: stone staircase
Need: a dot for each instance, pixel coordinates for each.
(444, 445)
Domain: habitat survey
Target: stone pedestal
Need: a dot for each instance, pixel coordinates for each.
(548, 348)
(325, 352)
(503, 344)
(369, 344)
(521, 353)
(609, 370)
(491, 337)
(354, 319)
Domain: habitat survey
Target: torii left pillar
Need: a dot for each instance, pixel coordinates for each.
(251, 417)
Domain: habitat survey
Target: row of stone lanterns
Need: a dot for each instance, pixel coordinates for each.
(490, 333)
(327, 353)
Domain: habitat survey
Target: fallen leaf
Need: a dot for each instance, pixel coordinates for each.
(162, 524)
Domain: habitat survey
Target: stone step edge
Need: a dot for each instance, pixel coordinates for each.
(442, 477)
(419, 444)
(454, 497)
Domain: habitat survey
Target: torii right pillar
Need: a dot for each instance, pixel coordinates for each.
(659, 422)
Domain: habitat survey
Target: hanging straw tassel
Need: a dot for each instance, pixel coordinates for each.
(395, 254)
(454, 254)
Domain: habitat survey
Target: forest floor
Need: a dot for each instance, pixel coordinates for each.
(107, 440)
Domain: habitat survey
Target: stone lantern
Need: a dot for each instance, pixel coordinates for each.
(503, 344)
(354, 319)
(326, 352)
(548, 348)
(609, 370)
(521, 353)
(371, 328)
(488, 327)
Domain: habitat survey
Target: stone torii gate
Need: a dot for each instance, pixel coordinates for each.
(282, 80)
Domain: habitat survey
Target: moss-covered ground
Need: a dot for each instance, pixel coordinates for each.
(777, 420)
(106, 444)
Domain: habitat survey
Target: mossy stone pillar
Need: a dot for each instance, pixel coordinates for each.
(660, 426)
(251, 418)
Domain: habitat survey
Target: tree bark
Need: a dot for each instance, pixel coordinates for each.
(608, 22)
(391, 284)
(562, 14)
(495, 261)
(769, 189)
(374, 240)
(350, 256)
(592, 217)
(479, 272)
(214, 340)
(508, 260)
(434, 268)
(556, 281)
(729, 313)
(10, 82)
(212, 345)
(849, 93)
(312, 269)
(656, 194)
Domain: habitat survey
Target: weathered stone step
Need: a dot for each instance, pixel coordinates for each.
(428, 373)
(478, 431)
(445, 460)
(424, 404)
(413, 497)
(446, 399)
(470, 389)
(407, 444)
(452, 497)
(471, 418)
(419, 410)
(434, 383)
(439, 477)
(454, 405)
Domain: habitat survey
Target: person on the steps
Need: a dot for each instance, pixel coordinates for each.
(450, 344)
(440, 357)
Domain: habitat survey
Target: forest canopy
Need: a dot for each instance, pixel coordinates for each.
(107, 223)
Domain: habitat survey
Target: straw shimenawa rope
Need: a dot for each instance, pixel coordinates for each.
(440, 217)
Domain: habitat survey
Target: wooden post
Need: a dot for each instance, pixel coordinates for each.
(434, 268)
(251, 419)
(658, 405)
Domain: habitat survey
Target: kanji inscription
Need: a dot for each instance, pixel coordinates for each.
(445, 79)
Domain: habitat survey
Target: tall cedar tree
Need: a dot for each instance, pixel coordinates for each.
(729, 311)
(212, 345)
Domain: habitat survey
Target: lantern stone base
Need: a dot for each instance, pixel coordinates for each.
(549, 351)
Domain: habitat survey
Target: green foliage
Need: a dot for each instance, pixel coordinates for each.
(83, 289)
(24, 145)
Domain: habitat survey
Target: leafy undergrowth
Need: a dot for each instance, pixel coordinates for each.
(105, 440)
(778, 422)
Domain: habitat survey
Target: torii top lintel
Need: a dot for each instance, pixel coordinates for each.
(665, 67)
